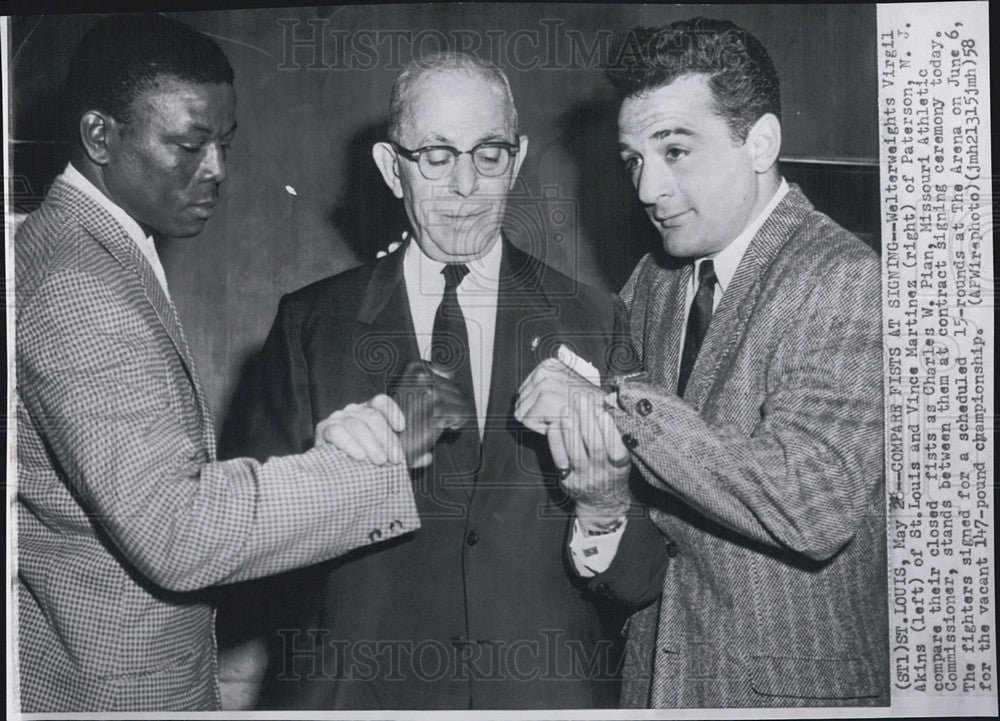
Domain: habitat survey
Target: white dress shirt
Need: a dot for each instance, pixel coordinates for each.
(593, 554)
(727, 260)
(72, 176)
(477, 297)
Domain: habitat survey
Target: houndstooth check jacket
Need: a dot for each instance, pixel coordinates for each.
(123, 513)
(766, 479)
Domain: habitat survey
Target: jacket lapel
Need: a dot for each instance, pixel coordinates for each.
(101, 226)
(730, 318)
(386, 339)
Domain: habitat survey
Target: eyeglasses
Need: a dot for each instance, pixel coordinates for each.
(438, 161)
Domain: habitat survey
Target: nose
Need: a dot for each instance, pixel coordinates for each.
(465, 179)
(214, 165)
(655, 181)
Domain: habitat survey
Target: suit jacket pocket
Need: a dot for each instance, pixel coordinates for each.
(816, 678)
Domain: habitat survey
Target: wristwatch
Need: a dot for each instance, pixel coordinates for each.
(602, 530)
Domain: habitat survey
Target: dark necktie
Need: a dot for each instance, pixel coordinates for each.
(697, 324)
(450, 350)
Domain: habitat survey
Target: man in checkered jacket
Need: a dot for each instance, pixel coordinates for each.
(122, 509)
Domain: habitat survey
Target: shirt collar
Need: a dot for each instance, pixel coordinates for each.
(75, 178)
(424, 273)
(72, 176)
(727, 260)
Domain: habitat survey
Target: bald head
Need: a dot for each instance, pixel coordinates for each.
(437, 68)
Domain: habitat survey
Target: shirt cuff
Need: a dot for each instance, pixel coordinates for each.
(592, 555)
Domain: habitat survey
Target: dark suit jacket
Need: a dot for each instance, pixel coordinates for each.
(479, 608)
(766, 477)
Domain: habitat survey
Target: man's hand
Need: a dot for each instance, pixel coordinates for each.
(583, 440)
(589, 446)
(366, 431)
(547, 395)
(424, 403)
(432, 403)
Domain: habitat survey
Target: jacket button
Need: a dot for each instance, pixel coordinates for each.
(672, 549)
(604, 590)
(375, 535)
(472, 539)
(630, 441)
(644, 407)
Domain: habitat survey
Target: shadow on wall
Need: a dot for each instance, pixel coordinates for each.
(612, 217)
(368, 218)
(367, 215)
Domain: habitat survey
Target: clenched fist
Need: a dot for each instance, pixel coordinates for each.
(432, 403)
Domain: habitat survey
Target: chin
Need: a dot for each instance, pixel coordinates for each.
(680, 248)
(463, 245)
(188, 230)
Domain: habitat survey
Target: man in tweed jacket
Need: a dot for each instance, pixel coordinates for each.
(757, 419)
(122, 510)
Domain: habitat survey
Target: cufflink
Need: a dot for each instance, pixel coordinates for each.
(375, 535)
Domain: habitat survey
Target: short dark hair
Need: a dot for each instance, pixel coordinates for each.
(123, 55)
(737, 67)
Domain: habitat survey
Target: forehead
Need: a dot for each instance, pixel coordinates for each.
(686, 103)
(174, 103)
(455, 106)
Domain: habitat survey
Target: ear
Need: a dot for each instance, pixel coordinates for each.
(764, 142)
(523, 143)
(96, 135)
(388, 165)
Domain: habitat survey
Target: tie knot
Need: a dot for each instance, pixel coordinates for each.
(453, 275)
(706, 273)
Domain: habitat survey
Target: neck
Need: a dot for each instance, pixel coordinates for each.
(94, 173)
(432, 251)
(767, 185)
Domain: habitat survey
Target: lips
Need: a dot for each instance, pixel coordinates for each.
(458, 216)
(670, 219)
(204, 210)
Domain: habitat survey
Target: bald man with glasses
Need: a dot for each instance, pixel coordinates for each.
(479, 608)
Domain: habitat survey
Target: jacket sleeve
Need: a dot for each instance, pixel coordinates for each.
(807, 475)
(99, 387)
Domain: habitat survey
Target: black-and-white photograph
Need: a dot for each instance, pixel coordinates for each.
(486, 357)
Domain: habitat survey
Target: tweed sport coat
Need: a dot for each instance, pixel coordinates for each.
(122, 510)
(766, 478)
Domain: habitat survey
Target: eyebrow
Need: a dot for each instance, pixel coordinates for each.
(488, 138)
(667, 132)
(208, 131)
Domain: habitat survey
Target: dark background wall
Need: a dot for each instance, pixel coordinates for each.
(309, 113)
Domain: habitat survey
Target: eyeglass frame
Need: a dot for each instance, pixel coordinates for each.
(414, 155)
